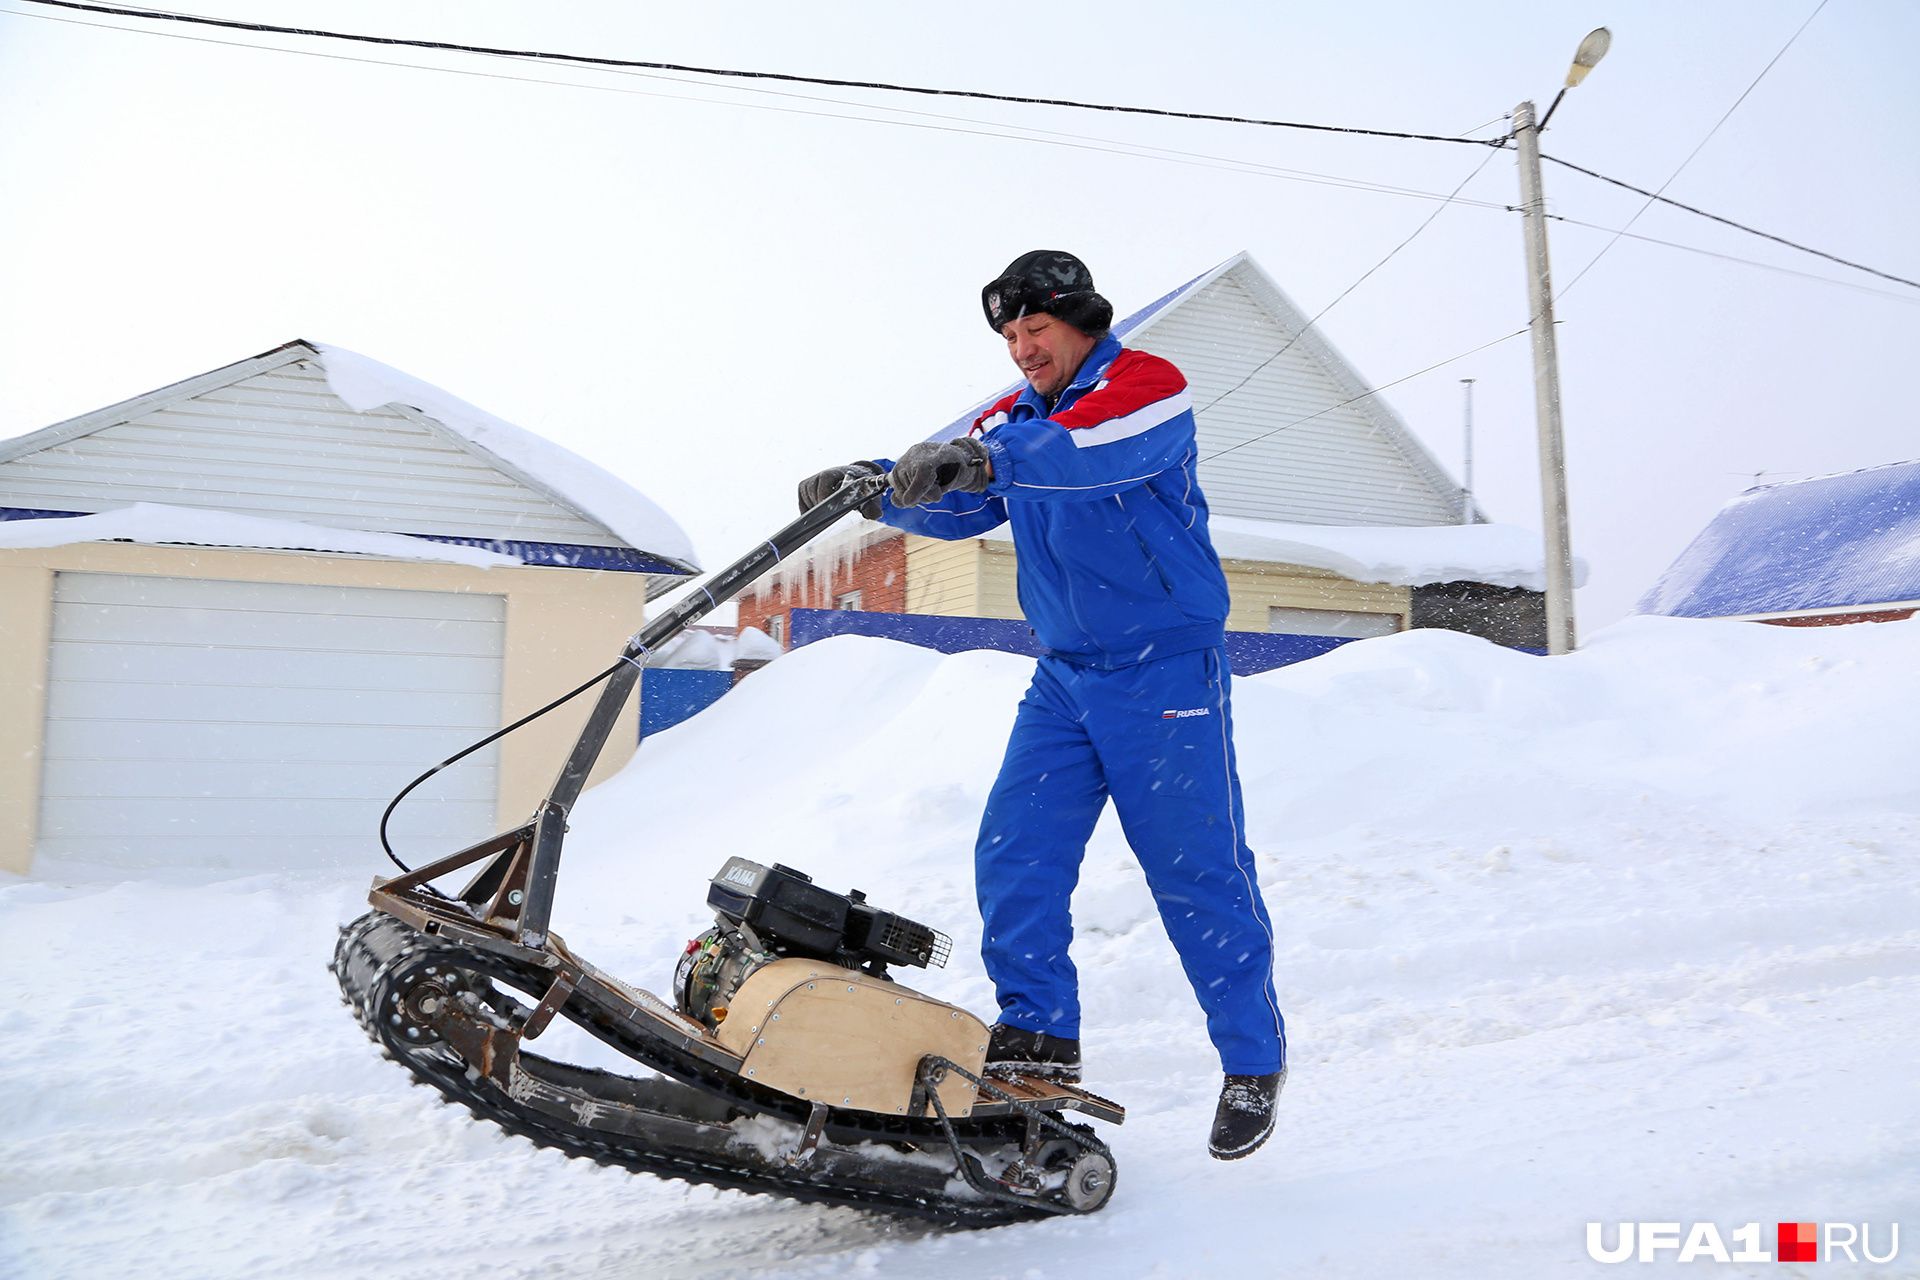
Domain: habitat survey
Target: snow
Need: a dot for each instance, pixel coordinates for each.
(754, 645)
(156, 522)
(1502, 555)
(812, 576)
(692, 651)
(698, 649)
(1629, 935)
(1827, 542)
(630, 515)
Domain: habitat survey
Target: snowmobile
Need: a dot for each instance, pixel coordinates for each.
(790, 1061)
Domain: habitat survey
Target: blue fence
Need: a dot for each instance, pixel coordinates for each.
(668, 696)
(1248, 652)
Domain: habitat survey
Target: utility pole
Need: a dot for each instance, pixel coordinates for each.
(1546, 388)
(1466, 489)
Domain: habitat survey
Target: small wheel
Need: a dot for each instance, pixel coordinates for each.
(1089, 1183)
(417, 997)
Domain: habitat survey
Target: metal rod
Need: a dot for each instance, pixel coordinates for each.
(1551, 107)
(713, 592)
(1546, 389)
(1466, 488)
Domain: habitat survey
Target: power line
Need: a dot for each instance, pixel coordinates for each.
(590, 60)
(1747, 262)
(1344, 292)
(1764, 235)
(1363, 395)
(1591, 262)
(987, 129)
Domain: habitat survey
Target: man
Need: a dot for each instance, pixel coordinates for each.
(1094, 463)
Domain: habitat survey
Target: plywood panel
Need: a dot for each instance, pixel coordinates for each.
(840, 1037)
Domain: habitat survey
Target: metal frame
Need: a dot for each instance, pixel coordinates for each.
(516, 883)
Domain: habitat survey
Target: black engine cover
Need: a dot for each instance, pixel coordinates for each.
(781, 905)
(791, 914)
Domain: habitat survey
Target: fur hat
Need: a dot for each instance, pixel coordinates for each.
(1049, 281)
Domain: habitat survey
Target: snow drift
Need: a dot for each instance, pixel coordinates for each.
(1623, 936)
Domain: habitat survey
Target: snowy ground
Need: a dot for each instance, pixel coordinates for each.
(1632, 935)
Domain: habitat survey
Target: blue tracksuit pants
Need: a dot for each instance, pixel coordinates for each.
(1158, 738)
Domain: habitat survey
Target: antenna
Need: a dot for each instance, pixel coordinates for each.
(1466, 489)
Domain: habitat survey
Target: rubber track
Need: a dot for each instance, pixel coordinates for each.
(384, 946)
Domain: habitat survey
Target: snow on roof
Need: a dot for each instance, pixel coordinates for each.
(700, 649)
(755, 645)
(153, 522)
(1827, 542)
(827, 558)
(1501, 555)
(365, 384)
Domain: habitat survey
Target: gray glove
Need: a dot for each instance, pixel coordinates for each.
(821, 485)
(928, 472)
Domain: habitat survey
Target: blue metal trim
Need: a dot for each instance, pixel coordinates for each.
(567, 555)
(558, 555)
(1248, 652)
(28, 513)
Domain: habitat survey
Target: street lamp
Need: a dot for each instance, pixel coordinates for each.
(1585, 59)
(1546, 355)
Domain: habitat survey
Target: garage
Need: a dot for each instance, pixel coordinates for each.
(239, 612)
(261, 724)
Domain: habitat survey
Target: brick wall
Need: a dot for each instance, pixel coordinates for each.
(878, 571)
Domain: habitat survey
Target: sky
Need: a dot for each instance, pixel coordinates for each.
(713, 288)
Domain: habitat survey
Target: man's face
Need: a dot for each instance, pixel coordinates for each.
(1047, 350)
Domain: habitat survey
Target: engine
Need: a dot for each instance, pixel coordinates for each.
(763, 914)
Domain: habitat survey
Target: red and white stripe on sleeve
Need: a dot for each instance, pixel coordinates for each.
(1138, 393)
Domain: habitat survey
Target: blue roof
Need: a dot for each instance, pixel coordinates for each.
(964, 423)
(1825, 543)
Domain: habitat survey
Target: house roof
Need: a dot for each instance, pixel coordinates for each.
(1825, 543)
(1501, 555)
(159, 524)
(321, 436)
(1288, 430)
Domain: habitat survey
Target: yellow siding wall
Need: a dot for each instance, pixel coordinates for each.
(562, 626)
(26, 622)
(976, 577)
(1257, 585)
(999, 577)
(943, 578)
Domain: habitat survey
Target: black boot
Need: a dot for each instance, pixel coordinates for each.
(1012, 1051)
(1244, 1118)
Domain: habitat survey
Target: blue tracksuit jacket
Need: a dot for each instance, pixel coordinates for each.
(1108, 519)
(1119, 580)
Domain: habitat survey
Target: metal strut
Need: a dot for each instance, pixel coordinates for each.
(528, 920)
(934, 1068)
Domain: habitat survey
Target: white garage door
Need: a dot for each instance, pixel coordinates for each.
(244, 724)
